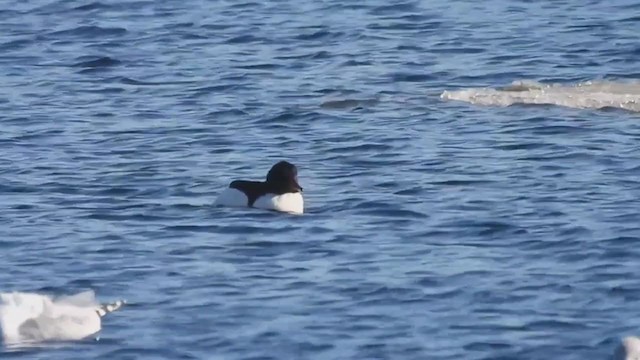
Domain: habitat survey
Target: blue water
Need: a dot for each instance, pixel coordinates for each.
(433, 229)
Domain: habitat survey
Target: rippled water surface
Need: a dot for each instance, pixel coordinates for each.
(434, 229)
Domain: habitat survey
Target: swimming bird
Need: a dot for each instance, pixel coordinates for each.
(280, 192)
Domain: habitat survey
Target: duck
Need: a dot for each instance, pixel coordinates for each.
(279, 192)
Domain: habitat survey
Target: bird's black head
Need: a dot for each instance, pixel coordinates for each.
(284, 175)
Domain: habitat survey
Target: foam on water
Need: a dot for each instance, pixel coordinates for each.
(434, 230)
(628, 349)
(586, 95)
(27, 318)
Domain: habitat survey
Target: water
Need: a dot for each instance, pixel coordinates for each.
(435, 229)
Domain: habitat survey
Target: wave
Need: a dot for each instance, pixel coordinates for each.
(586, 95)
(348, 103)
(28, 318)
(100, 62)
(90, 32)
